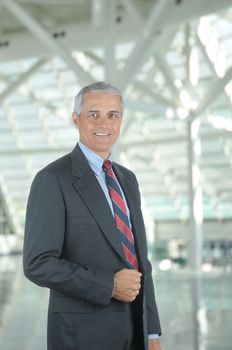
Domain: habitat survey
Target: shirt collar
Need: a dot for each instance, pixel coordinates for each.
(94, 160)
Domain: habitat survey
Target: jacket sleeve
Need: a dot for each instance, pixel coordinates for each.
(43, 242)
(153, 321)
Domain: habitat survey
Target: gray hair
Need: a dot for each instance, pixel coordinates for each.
(98, 87)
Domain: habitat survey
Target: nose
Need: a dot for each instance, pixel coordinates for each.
(103, 120)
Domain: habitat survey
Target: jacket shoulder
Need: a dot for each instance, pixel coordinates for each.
(58, 166)
(124, 170)
(59, 169)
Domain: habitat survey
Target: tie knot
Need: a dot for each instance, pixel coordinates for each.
(107, 165)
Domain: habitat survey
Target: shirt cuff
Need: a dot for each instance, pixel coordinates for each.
(153, 336)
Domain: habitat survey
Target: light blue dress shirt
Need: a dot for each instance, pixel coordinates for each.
(96, 162)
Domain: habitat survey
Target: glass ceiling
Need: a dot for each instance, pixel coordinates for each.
(179, 74)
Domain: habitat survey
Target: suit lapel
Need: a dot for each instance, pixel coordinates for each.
(91, 193)
(128, 189)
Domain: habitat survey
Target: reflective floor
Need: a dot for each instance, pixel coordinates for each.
(195, 314)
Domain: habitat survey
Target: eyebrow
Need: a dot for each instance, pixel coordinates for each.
(96, 110)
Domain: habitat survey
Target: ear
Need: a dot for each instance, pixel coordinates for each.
(75, 119)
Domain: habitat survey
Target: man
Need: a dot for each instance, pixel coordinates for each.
(85, 239)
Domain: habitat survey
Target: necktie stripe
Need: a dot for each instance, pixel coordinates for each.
(127, 243)
(125, 230)
(120, 213)
(131, 258)
(117, 199)
(121, 216)
(111, 182)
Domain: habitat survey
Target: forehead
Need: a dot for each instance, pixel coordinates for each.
(93, 100)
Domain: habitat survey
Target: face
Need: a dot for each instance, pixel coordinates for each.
(99, 122)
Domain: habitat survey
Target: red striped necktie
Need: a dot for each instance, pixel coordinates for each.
(120, 215)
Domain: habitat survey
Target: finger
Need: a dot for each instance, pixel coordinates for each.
(139, 274)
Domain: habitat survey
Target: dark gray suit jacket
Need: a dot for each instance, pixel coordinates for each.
(71, 245)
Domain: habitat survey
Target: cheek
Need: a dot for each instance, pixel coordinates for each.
(83, 128)
(117, 130)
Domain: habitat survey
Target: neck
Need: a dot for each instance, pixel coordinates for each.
(103, 155)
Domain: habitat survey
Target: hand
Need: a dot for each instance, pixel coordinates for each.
(154, 344)
(127, 284)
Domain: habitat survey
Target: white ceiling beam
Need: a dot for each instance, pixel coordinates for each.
(169, 77)
(141, 106)
(50, 2)
(187, 34)
(209, 62)
(163, 15)
(147, 90)
(98, 12)
(97, 60)
(4, 79)
(174, 139)
(110, 42)
(153, 141)
(133, 12)
(27, 151)
(168, 181)
(123, 143)
(22, 79)
(141, 50)
(216, 89)
(5, 203)
(198, 7)
(43, 35)
(22, 44)
(188, 9)
(205, 54)
(191, 41)
(13, 85)
(227, 16)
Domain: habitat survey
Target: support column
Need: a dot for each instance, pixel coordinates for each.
(110, 41)
(195, 198)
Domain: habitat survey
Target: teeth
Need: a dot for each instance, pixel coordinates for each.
(101, 134)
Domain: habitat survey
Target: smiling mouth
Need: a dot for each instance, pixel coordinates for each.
(102, 133)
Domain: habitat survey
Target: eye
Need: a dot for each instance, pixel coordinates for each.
(114, 115)
(93, 115)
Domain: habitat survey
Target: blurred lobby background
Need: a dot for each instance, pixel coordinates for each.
(173, 61)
